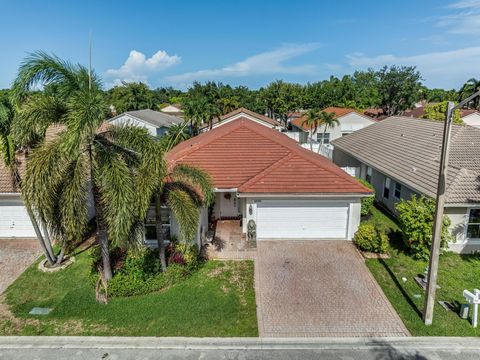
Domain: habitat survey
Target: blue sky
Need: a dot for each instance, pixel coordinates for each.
(172, 43)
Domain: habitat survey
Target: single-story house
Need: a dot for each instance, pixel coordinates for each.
(400, 156)
(262, 175)
(350, 120)
(246, 114)
(156, 122)
(173, 109)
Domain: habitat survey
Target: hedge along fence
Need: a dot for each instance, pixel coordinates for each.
(367, 202)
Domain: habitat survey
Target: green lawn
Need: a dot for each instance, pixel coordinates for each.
(456, 274)
(217, 300)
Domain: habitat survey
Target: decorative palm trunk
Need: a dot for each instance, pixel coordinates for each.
(159, 230)
(40, 238)
(101, 227)
(48, 242)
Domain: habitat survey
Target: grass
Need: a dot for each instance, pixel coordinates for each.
(217, 300)
(457, 272)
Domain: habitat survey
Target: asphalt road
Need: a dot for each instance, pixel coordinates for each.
(53, 348)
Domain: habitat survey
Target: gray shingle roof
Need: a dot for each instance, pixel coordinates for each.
(154, 118)
(408, 150)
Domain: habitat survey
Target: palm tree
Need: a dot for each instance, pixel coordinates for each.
(7, 147)
(175, 135)
(312, 120)
(329, 121)
(61, 172)
(186, 191)
(469, 88)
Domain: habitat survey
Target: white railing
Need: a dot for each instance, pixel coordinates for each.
(322, 149)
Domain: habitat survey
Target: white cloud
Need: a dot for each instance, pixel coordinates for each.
(269, 62)
(138, 67)
(445, 69)
(465, 18)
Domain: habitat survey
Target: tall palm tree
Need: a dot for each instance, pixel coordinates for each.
(7, 147)
(61, 172)
(329, 121)
(312, 120)
(175, 135)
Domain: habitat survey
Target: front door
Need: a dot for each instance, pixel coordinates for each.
(228, 205)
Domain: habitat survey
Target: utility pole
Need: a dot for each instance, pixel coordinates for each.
(439, 207)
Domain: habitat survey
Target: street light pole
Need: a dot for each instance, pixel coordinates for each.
(440, 204)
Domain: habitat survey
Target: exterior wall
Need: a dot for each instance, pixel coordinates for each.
(125, 119)
(472, 120)
(345, 161)
(347, 124)
(459, 219)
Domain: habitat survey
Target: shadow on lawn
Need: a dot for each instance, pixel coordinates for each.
(400, 287)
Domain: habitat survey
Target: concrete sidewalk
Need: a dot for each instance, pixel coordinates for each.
(53, 348)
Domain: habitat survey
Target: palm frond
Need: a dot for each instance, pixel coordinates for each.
(185, 211)
(195, 177)
(114, 180)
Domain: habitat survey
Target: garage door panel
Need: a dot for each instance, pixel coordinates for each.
(14, 220)
(302, 220)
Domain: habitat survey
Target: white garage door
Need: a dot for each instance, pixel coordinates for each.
(294, 219)
(14, 220)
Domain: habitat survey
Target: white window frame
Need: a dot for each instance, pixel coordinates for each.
(368, 174)
(399, 191)
(386, 186)
(468, 223)
(322, 136)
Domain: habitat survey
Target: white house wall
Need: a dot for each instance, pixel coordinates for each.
(347, 124)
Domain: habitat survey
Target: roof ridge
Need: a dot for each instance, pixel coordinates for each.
(266, 171)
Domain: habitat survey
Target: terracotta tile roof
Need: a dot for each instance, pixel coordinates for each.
(241, 111)
(6, 182)
(466, 112)
(253, 158)
(338, 111)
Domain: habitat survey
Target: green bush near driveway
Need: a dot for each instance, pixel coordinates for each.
(369, 238)
(366, 202)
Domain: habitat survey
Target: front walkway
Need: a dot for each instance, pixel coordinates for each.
(15, 256)
(229, 243)
(319, 288)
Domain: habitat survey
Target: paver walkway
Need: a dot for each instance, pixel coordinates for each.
(319, 288)
(229, 243)
(15, 256)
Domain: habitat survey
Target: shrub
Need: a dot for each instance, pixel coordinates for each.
(415, 218)
(369, 238)
(367, 202)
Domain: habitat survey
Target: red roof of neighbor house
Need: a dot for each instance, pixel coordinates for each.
(239, 111)
(338, 111)
(252, 158)
(466, 112)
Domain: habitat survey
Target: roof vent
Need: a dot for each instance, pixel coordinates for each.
(414, 168)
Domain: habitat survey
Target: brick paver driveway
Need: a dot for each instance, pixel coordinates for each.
(319, 288)
(15, 256)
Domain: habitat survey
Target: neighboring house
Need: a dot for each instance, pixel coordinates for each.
(243, 113)
(156, 122)
(261, 175)
(469, 116)
(350, 120)
(173, 109)
(400, 156)
(14, 220)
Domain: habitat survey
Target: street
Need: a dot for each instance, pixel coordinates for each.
(73, 348)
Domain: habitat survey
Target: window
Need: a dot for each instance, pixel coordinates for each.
(323, 138)
(386, 188)
(398, 191)
(150, 226)
(368, 176)
(473, 226)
